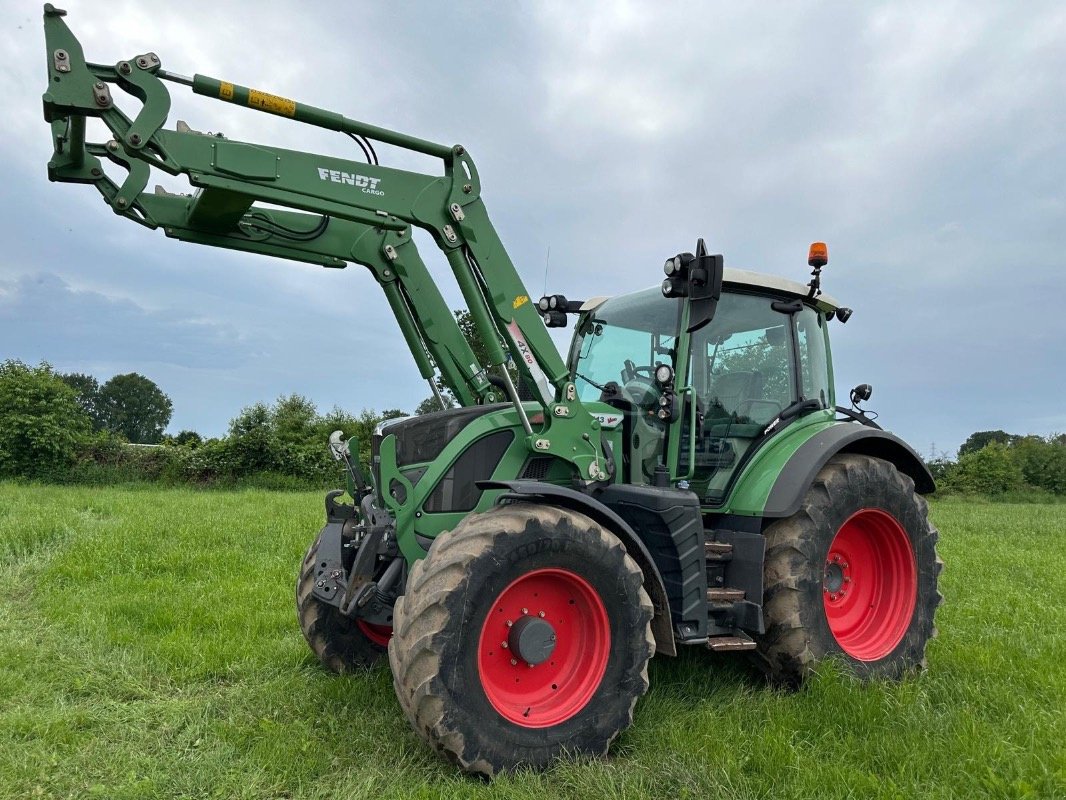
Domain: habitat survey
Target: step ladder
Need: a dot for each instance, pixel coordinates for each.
(722, 598)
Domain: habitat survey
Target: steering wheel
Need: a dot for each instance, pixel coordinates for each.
(633, 372)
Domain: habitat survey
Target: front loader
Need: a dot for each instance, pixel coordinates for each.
(684, 478)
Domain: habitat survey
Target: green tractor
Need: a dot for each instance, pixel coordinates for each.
(684, 478)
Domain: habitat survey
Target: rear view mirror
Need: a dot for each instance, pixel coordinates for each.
(699, 278)
(775, 337)
(704, 287)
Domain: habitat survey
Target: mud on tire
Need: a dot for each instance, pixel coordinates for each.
(476, 699)
(852, 575)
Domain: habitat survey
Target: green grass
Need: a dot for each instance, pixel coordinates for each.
(148, 648)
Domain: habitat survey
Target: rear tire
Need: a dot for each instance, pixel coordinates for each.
(342, 644)
(578, 613)
(852, 575)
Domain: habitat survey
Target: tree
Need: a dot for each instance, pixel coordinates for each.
(1042, 461)
(133, 406)
(189, 439)
(252, 440)
(990, 470)
(469, 331)
(431, 404)
(87, 389)
(41, 421)
(981, 438)
(294, 419)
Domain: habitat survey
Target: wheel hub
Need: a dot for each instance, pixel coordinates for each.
(869, 584)
(834, 577)
(532, 639)
(544, 647)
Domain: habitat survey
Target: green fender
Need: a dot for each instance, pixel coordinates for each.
(775, 481)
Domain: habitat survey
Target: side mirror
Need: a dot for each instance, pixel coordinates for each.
(704, 287)
(699, 278)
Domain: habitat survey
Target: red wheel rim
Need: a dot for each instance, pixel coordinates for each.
(869, 584)
(378, 634)
(555, 689)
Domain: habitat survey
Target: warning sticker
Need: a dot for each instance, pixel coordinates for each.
(272, 103)
(225, 90)
(539, 378)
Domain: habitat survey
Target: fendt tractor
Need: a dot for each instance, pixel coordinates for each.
(683, 478)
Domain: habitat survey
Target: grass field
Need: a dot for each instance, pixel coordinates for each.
(148, 648)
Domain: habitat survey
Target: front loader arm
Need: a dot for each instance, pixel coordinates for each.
(339, 211)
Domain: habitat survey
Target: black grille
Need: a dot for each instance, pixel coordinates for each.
(456, 490)
(537, 468)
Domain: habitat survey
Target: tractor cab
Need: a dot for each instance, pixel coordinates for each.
(762, 360)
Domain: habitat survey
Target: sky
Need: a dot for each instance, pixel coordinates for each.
(924, 142)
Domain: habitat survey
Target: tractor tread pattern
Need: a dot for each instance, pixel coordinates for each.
(791, 648)
(334, 639)
(420, 619)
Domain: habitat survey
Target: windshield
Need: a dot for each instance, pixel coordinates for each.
(622, 342)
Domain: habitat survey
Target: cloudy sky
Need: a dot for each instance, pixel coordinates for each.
(923, 141)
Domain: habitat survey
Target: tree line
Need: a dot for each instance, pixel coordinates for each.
(70, 428)
(997, 463)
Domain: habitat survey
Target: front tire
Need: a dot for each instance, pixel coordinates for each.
(341, 643)
(852, 575)
(524, 635)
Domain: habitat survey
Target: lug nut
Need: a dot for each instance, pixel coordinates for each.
(541, 615)
(525, 610)
(514, 663)
(504, 645)
(509, 623)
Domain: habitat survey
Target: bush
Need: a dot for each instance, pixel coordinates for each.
(991, 470)
(41, 422)
(1042, 462)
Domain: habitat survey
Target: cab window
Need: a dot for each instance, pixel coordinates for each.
(743, 373)
(814, 363)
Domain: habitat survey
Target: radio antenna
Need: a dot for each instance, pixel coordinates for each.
(547, 260)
